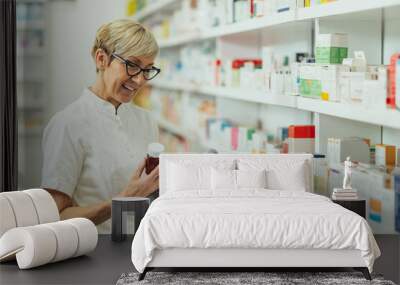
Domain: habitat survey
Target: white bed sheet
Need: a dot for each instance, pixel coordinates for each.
(252, 218)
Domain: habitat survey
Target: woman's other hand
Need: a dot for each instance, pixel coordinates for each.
(141, 186)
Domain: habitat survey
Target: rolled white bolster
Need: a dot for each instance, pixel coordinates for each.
(87, 235)
(67, 239)
(7, 218)
(23, 208)
(45, 205)
(33, 246)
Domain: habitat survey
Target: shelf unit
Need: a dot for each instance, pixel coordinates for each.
(254, 96)
(190, 135)
(173, 128)
(31, 25)
(153, 8)
(338, 11)
(340, 7)
(32, 40)
(383, 117)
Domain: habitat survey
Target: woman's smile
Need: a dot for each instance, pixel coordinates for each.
(128, 89)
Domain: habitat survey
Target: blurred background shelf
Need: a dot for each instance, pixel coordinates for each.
(343, 7)
(382, 117)
(153, 8)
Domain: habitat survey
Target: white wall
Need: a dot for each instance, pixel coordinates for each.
(72, 28)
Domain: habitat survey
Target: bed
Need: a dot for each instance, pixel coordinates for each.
(246, 211)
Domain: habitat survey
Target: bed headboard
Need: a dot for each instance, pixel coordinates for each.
(204, 159)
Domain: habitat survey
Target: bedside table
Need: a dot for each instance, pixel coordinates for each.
(121, 207)
(357, 206)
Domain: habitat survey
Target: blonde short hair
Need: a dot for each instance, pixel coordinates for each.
(126, 38)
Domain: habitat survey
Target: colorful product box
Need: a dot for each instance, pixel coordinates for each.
(310, 81)
(375, 210)
(321, 81)
(331, 48)
(282, 134)
(393, 98)
(385, 155)
(301, 139)
(302, 131)
(330, 55)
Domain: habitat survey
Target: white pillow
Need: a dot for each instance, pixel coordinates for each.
(282, 173)
(182, 177)
(295, 179)
(223, 179)
(251, 178)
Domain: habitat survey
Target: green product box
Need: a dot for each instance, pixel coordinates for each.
(310, 88)
(330, 55)
(343, 53)
(250, 133)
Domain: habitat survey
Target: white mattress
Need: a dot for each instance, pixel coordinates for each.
(263, 219)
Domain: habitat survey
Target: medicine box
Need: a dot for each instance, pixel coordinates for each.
(302, 131)
(322, 81)
(330, 77)
(331, 48)
(310, 81)
(306, 145)
(351, 85)
(301, 139)
(385, 155)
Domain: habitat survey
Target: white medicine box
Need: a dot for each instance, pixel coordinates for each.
(330, 75)
(332, 40)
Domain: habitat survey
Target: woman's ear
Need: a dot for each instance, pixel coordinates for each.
(102, 59)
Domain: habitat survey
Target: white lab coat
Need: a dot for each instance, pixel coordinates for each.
(91, 151)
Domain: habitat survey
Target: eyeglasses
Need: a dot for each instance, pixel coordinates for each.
(132, 69)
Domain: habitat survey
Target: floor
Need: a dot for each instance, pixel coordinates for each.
(103, 266)
(110, 260)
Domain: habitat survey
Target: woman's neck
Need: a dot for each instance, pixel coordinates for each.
(98, 89)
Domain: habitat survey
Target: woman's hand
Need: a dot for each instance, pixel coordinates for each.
(141, 186)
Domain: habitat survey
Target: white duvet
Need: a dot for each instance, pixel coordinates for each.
(250, 219)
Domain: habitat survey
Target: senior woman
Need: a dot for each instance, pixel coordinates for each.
(94, 149)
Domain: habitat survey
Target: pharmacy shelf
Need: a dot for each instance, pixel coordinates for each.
(31, 25)
(180, 40)
(151, 9)
(188, 135)
(384, 117)
(175, 129)
(342, 7)
(232, 93)
(164, 84)
(226, 30)
(250, 96)
(250, 25)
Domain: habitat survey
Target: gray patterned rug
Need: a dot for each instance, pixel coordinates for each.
(230, 278)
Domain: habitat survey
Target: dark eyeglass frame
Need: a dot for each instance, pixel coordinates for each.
(132, 64)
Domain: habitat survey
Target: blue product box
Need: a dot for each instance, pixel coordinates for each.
(397, 201)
